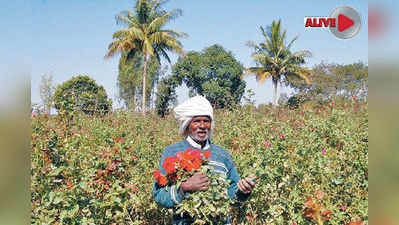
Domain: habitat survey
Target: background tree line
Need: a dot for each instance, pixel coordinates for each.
(331, 80)
(213, 72)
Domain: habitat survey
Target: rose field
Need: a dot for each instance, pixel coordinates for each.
(311, 163)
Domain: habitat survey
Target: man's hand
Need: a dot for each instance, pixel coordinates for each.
(246, 185)
(197, 182)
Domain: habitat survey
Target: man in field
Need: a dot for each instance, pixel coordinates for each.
(195, 117)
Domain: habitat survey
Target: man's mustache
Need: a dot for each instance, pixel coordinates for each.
(202, 130)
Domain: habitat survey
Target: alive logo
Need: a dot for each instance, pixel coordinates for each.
(344, 22)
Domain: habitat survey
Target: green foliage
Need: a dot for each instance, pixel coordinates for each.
(249, 98)
(210, 206)
(98, 170)
(213, 73)
(166, 94)
(331, 80)
(274, 58)
(296, 100)
(81, 94)
(47, 91)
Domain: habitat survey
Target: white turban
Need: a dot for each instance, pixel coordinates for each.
(195, 106)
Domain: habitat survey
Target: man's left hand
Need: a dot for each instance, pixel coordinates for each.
(246, 185)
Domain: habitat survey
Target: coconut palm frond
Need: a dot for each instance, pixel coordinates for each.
(292, 42)
(261, 77)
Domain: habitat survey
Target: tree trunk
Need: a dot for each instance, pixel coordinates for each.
(133, 103)
(275, 92)
(153, 97)
(144, 78)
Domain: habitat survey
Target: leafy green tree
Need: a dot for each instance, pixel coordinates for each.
(81, 93)
(213, 73)
(130, 79)
(353, 79)
(47, 91)
(145, 33)
(274, 58)
(331, 80)
(166, 95)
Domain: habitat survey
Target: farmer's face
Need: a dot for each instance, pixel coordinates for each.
(199, 128)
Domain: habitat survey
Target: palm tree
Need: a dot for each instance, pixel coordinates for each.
(145, 34)
(274, 58)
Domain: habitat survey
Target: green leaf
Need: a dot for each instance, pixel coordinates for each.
(56, 172)
(83, 185)
(73, 212)
(58, 199)
(108, 213)
(51, 196)
(212, 208)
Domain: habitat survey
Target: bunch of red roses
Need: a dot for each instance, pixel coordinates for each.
(182, 163)
(210, 206)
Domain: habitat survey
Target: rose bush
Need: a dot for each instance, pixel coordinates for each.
(311, 164)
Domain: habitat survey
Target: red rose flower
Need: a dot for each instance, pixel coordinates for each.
(207, 154)
(196, 154)
(169, 164)
(162, 180)
(187, 165)
(196, 163)
(157, 174)
(187, 156)
(179, 155)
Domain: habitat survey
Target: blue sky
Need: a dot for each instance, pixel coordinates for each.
(68, 38)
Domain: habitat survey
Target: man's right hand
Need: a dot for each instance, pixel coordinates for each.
(197, 182)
